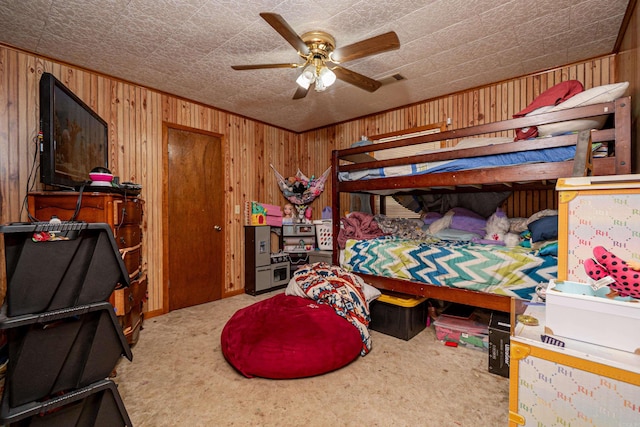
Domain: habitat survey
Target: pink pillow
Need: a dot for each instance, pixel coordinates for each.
(288, 337)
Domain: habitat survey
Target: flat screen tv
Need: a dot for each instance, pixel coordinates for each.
(75, 138)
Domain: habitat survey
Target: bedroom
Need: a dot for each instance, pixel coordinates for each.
(138, 113)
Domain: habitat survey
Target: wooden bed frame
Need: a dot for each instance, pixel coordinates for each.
(534, 176)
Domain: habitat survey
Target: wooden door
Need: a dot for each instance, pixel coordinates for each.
(195, 239)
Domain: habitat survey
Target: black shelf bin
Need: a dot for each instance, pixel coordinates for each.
(58, 351)
(56, 266)
(97, 405)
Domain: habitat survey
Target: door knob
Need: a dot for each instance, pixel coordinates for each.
(217, 228)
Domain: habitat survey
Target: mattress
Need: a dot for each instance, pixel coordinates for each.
(486, 268)
(547, 155)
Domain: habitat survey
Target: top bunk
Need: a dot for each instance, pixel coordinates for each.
(477, 164)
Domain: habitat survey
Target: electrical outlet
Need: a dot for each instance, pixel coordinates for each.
(448, 121)
(237, 210)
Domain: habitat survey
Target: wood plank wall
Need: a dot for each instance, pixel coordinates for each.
(136, 116)
(487, 104)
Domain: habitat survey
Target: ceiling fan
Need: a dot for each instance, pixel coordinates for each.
(322, 59)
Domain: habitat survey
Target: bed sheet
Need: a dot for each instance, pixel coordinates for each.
(486, 268)
(546, 155)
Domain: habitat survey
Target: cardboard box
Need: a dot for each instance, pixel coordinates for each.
(574, 311)
(499, 344)
(397, 315)
(596, 211)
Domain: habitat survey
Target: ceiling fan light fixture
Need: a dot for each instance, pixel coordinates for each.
(319, 87)
(327, 77)
(307, 77)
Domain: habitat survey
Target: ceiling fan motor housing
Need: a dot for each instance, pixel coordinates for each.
(319, 42)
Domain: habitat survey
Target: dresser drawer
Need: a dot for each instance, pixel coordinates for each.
(128, 236)
(128, 211)
(93, 209)
(132, 258)
(126, 299)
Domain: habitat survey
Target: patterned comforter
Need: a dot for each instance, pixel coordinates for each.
(341, 290)
(486, 268)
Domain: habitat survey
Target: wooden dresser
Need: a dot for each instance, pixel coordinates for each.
(124, 214)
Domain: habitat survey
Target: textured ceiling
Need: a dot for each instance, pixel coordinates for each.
(187, 47)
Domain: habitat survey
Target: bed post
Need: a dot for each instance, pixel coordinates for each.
(622, 128)
(582, 161)
(335, 206)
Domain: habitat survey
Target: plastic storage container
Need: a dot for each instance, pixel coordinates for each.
(467, 332)
(574, 310)
(324, 234)
(60, 351)
(401, 316)
(97, 405)
(55, 266)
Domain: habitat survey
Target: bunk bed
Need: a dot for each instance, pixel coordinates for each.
(531, 175)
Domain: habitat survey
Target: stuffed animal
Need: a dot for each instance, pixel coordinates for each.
(497, 230)
(299, 187)
(625, 274)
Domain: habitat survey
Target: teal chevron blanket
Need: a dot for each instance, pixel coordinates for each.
(486, 268)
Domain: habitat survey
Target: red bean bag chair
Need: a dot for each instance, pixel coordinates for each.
(288, 337)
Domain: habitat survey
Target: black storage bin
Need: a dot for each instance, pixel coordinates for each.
(97, 405)
(401, 316)
(79, 265)
(59, 351)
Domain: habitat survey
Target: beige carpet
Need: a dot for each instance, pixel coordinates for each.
(179, 377)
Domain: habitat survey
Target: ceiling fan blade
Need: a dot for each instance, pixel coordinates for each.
(282, 27)
(363, 82)
(300, 92)
(371, 46)
(259, 66)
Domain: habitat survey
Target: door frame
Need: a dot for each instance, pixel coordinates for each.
(165, 206)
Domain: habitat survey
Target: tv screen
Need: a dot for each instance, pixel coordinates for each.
(75, 138)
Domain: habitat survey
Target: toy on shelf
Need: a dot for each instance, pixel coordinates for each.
(257, 213)
(288, 217)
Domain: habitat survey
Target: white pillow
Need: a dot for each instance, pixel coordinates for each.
(596, 95)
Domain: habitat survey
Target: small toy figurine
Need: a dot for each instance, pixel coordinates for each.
(308, 213)
(288, 216)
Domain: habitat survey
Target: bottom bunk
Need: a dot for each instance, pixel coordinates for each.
(449, 263)
(461, 296)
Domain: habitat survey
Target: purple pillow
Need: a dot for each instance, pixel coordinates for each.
(431, 217)
(467, 220)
